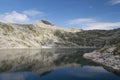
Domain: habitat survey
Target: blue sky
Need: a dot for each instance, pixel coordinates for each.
(83, 14)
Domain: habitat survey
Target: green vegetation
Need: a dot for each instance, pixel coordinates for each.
(114, 51)
(7, 28)
(103, 50)
(117, 49)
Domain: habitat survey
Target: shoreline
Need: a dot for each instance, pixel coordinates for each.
(112, 62)
(49, 48)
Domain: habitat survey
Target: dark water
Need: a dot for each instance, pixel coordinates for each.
(70, 65)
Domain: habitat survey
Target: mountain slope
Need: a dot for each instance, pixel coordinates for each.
(45, 34)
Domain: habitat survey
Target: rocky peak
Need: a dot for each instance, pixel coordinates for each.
(46, 22)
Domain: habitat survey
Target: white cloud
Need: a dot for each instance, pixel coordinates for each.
(89, 24)
(32, 12)
(20, 17)
(114, 2)
(14, 17)
(82, 20)
(103, 25)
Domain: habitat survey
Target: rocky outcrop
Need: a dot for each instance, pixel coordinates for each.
(106, 57)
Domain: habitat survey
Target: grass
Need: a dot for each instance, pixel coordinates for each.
(117, 49)
(103, 50)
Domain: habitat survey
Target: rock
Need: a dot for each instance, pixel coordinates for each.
(106, 59)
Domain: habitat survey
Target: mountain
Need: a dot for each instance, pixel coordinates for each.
(45, 34)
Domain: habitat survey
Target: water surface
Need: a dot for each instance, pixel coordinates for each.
(53, 64)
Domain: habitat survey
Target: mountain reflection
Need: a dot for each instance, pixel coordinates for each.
(19, 76)
(40, 60)
(50, 64)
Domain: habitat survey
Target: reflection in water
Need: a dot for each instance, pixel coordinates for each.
(19, 76)
(23, 64)
(80, 73)
(66, 73)
(39, 61)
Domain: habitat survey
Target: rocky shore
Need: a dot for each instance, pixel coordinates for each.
(106, 59)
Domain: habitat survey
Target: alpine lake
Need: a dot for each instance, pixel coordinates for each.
(51, 64)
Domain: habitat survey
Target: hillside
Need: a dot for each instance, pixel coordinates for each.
(107, 56)
(45, 34)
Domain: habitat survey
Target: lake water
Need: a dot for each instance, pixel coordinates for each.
(61, 64)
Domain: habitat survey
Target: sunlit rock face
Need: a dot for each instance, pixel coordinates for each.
(45, 34)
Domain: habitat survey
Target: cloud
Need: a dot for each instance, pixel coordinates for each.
(32, 12)
(82, 21)
(114, 2)
(19, 17)
(90, 24)
(14, 17)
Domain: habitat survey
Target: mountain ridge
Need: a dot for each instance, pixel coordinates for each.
(44, 33)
